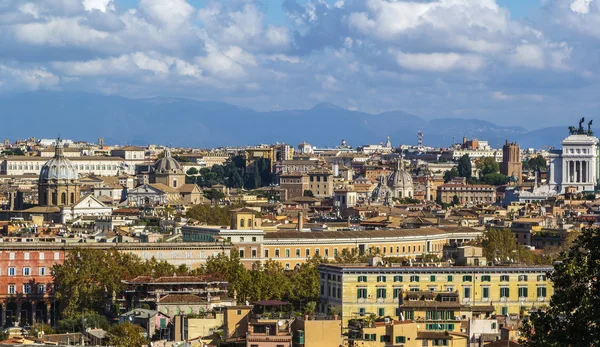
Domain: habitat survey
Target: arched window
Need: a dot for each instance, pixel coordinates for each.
(242, 222)
(73, 198)
(63, 198)
(54, 198)
(174, 183)
(249, 223)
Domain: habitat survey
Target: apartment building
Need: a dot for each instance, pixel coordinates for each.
(467, 193)
(363, 289)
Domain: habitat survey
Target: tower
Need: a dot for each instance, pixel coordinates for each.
(58, 184)
(511, 165)
(420, 140)
(101, 141)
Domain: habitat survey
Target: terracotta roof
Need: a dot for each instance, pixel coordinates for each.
(187, 188)
(163, 188)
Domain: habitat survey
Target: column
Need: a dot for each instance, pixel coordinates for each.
(18, 314)
(578, 171)
(584, 176)
(48, 314)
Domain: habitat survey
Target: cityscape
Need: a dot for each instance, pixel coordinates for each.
(303, 173)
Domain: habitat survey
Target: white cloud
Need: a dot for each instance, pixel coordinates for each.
(499, 96)
(581, 6)
(100, 5)
(32, 79)
(528, 55)
(439, 62)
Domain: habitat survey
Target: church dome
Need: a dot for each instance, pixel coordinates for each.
(400, 178)
(167, 165)
(59, 167)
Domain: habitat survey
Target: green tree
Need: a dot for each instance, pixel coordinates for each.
(231, 269)
(487, 165)
(449, 175)
(455, 200)
(309, 193)
(494, 179)
(537, 163)
(209, 214)
(214, 195)
(126, 335)
(464, 166)
(501, 244)
(572, 317)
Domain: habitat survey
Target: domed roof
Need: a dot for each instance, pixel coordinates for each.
(167, 164)
(400, 178)
(59, 167)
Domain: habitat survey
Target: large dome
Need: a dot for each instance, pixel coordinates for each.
(59, 167)
(167, 165)
(400, 178)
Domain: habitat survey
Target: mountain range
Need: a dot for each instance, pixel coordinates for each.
(187, 122)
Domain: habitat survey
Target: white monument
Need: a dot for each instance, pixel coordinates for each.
(576, 165)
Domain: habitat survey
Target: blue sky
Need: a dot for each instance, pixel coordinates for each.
(526, 62)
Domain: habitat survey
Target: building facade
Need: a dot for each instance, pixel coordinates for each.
(361, 289)
(320, 182)
(467, 193)
(294, 183)
(575, 166)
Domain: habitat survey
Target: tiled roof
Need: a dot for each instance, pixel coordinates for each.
(181, 299)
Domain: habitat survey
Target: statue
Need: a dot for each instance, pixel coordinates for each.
(580, 131)
(589, 131)
(572, 130)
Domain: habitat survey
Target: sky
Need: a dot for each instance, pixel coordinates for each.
(531, 63)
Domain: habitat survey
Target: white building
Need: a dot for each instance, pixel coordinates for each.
(576, 165)
(25, 165)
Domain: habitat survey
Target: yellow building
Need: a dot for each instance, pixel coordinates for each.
(402, 333)
(253, 154)
(362, 290)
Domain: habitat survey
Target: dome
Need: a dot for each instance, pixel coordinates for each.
(59, 167)
(401, 180)
(167, 165)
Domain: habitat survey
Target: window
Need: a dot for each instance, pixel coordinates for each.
(361, 293)
(297, 252)
(12, 271)
(335, 251)
(485, 292)
(541, 292)
(41, 288)
(397, 278)
(26, 255)
(253, 238)
(397, 292)
(308, 252)
(362, 311)
(504, 292)
(362, 278)
(56, 255)
(327, 252)
(432, 278)
(242, 239)
(541, 277)
(522, 292)
(522, 278)
(467, 278)
(42, 271)
(26, 271)
(381, 293)
(266, 253)
(11, 256)
(450, 278)
(287, 253)
(381, 278)
(467, 293)
(12, 289)
(317, 251)
(381, 312)
(27, 289)
(486, 278)
(425, 343)
(504, 278)
(241, 253)
(253, 253)
(277, 253)
(414, 278)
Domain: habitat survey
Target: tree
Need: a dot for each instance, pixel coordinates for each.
(572, 317)
(501, 245)
(464, 166)
(487, 165)
(449, 175)
(309, 193)
(537, 163)
(210, 215)
(455, 200)
(126, 335)
(494, 179)
(214, 195)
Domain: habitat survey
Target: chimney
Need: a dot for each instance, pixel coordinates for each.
(300, 221)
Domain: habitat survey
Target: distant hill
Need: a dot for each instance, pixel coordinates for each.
(186, 122)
